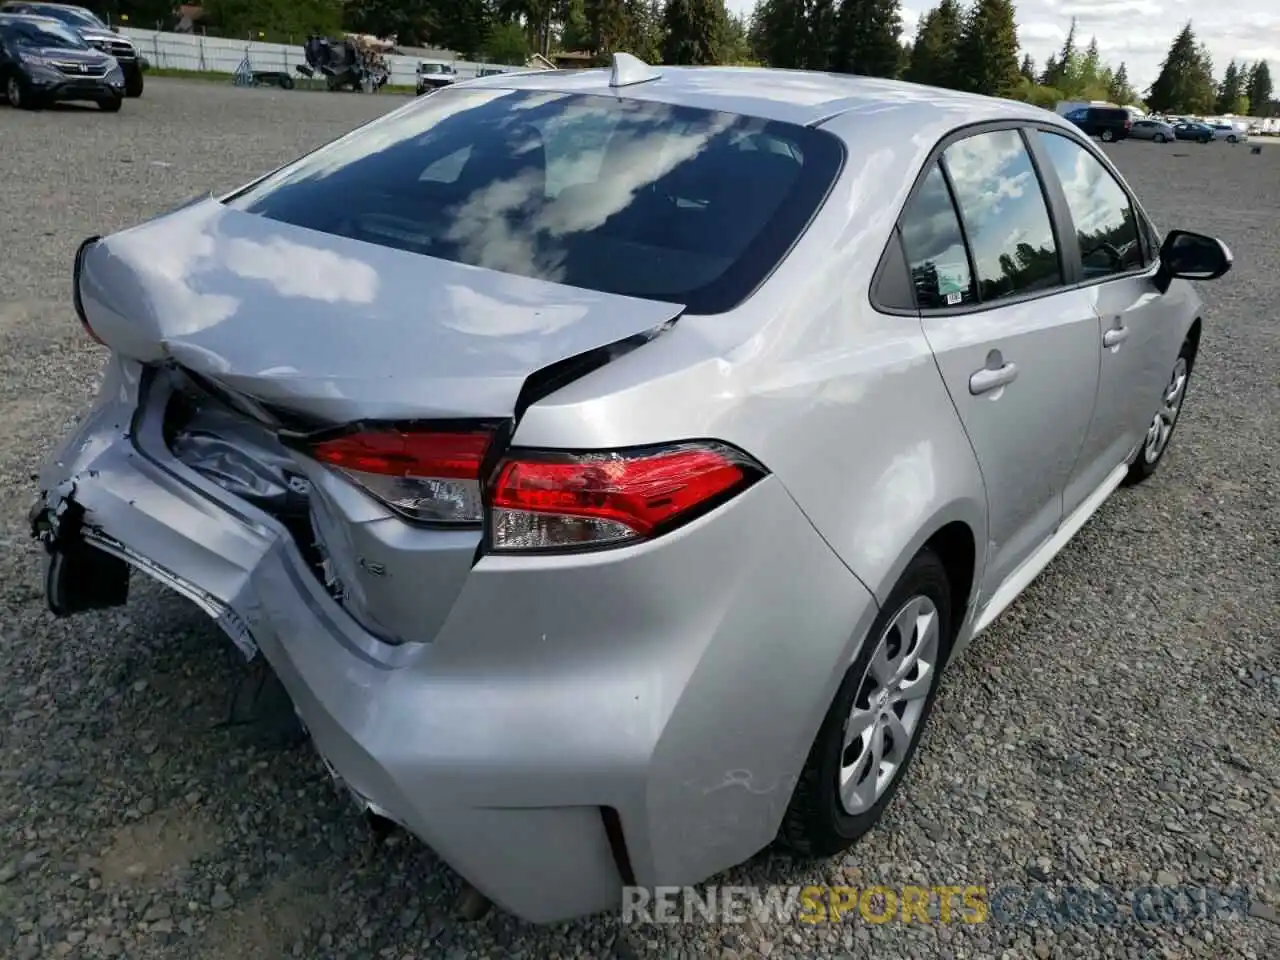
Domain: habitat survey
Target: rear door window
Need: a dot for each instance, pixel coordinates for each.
(934, 245)
(1005, 215)
(649, 200)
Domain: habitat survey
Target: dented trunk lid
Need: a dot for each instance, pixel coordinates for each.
(339, 329)
(334, 331)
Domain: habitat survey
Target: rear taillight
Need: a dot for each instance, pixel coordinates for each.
(538, 499)
(548, 500)
(425, 475)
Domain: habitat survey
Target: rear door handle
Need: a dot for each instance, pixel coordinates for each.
(987, 379)
(1115, 336)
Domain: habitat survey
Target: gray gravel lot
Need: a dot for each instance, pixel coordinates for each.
(1120, 725)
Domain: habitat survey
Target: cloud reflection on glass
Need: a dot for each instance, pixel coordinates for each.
(1005, 214)
(645, 199)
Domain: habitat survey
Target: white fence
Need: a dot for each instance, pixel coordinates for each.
(189, 51)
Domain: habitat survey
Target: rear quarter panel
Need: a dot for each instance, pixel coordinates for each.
(844, 405)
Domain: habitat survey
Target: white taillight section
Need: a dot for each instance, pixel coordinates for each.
(548, 500)
(424, 475)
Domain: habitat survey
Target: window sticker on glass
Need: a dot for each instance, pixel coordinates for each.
(953, 278)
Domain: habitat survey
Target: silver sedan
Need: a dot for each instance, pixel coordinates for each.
(609, 463)
(1156, 130)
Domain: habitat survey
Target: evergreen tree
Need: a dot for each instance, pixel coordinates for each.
(867, 36)
(1066, 65)
(821, 31)
(733, 45)
(1050, 74)
(692, 31)
(1185, 81)
(1231, 90)
(575, 32)
(1120, 91)
(987, 57)
(609, 26)
(933, 55)
(1090, 65)
(782, 32)
(1259, 90)
(1028, 69)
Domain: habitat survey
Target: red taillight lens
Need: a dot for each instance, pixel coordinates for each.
(429, 476)
(549, 501)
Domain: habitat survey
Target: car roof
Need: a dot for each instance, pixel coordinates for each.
(793, 96)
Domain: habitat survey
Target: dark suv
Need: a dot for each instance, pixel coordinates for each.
(1105, 123)
(95, 32)
(42, 61)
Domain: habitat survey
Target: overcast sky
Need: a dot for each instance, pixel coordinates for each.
(1137, 32)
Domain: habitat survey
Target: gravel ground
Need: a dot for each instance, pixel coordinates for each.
(1120, 725)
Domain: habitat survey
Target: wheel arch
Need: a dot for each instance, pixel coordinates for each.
(1193, 338)
(951, 533)
(956, 547)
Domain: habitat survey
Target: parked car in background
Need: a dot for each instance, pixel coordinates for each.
(433, 75)
(1156, 130)
(1199, 132)
(1229, 132)
(561, 569)
(95, 32)
(43, 61)
(1105, 123)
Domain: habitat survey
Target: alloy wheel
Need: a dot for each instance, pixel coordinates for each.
(889, 705)
(1167, 416)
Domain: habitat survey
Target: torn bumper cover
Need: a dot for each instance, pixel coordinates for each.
(553, 739)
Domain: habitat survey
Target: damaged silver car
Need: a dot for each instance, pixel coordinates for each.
(609, 462)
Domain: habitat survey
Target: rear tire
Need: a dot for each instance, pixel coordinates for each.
(1107, 136)
(1159, 138)
(819, 821)
(1165, 420)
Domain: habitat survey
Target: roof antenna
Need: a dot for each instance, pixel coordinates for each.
(629, 70)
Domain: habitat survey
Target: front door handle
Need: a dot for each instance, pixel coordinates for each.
(988, 379)
(1115, 336)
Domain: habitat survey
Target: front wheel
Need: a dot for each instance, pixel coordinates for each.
(1165, 419)
(1231, 139)
(133, 85)
(19, 94)
(872, 728)
(111, 104)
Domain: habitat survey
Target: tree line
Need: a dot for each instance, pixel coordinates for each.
(1186, 83)
(970, 47)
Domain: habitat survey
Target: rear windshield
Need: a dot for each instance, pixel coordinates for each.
(648, 200)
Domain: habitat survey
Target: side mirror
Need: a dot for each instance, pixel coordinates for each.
(1192, 256)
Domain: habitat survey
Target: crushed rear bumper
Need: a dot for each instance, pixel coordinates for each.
(563, 732)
